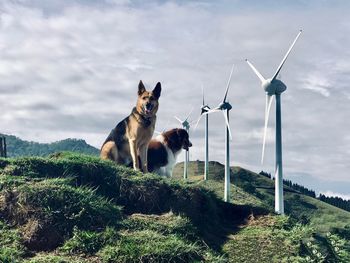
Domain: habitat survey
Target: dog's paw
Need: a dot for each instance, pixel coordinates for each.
(137, 169)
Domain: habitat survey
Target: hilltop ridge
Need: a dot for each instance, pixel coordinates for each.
(70, 207)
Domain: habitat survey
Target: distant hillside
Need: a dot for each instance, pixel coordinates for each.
(332, 200)
(325, 224)
(297, 187)
(17, 147)
(336, 201)
(250, 188)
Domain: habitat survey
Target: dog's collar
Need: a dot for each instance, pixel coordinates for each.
(141, 118)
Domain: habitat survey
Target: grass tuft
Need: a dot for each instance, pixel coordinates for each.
(48, 210)
(11, 247)
(151, 246)
(89, 242)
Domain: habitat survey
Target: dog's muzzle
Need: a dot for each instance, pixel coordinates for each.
(148, 108)
(187, 146)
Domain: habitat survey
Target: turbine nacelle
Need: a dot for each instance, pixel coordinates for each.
(186, 124)
(224, 106)
(273, 86)
(204, 109)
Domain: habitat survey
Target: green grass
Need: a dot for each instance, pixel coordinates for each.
(48, 210)
(77, 208)
(166, 224)
(257, 192)
(70, 203)
(249, 188)
(89, 242)
(57, 258)
(267, 239)
(150, 246)
(11, 244)
(320, 215)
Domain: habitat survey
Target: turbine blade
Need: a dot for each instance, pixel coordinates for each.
(195, 127)
(211, 111)
(262, 79)
(227, 123)
(178, 120)
(203, 95)
(268, 104)
(189, 114)
(228, 83)
(166, 125)
(192, 122)
(285, 56)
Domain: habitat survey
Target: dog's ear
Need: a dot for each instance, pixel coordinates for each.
(180, 134)
(157, 90)
(142, 88)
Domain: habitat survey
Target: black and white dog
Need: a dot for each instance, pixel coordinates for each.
(164, 149)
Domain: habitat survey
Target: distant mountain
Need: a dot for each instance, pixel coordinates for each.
(17, 147)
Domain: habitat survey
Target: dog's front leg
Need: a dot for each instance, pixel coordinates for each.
(169, 172)
(133, 152)
(143, 158)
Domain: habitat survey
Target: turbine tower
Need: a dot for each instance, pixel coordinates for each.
(275, 87)
(225, 108)
(205, 108)
(186, 125)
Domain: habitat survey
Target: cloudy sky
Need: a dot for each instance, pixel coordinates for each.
(70, 68)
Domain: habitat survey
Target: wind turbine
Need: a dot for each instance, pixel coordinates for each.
(205, 108)
(275, 87)
(186, 125)
(225, 108)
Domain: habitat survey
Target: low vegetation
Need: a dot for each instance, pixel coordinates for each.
(77, 208)
(18, 148)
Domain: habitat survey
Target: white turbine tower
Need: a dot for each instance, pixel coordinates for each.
(225, 108)
(275, 87)
(205, 108)
(186, 125)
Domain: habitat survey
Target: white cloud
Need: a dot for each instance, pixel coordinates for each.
(319, 82)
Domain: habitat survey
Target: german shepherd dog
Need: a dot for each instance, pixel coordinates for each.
(128, 141)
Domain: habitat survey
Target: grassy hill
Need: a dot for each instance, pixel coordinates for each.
(77, 208)
(261, 192)
(17, 147)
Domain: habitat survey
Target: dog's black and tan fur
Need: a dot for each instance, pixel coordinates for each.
(128, 141)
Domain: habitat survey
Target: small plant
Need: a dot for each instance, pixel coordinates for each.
(150, 246)
(50, 259)
(339, 247)
(66, 206)
(314, 252)
(89, 242)
(86, 242)
(164, 224)
(11, 248)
